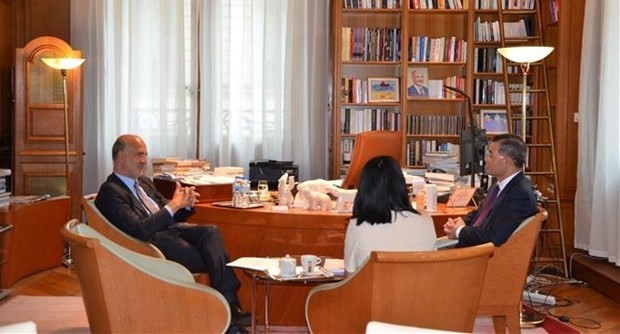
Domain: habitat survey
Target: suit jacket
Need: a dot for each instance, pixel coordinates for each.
(123, 209)
(515, 203)
(412, 91)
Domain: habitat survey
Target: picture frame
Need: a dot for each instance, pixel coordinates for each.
(383, 90)
(420, 76)
(494, 121)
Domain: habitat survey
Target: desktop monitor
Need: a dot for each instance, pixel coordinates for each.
(368, 145)
(472, 156)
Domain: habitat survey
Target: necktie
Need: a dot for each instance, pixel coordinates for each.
(488, 204)
(148, 203)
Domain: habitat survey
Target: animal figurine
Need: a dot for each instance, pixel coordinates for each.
(316, 201)
(318, 186)
(285, 196)
(344, 198)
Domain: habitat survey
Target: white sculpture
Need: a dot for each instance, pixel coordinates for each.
(315, 201)
(344, 198)
(312, 186)
(285, 196)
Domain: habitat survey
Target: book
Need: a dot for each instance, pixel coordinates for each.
(29, 198)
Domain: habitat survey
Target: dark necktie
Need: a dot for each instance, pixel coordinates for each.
(148, 203)
(488, 204)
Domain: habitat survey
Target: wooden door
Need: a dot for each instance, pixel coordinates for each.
(38, 123)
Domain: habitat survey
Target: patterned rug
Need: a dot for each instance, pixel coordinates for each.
(66, 315)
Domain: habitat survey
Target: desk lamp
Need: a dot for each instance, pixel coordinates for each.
(525, 55)
(64, 64)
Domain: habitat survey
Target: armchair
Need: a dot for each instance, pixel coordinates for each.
(506, 275)
(433, 289)
(368, 145)
(127, 292)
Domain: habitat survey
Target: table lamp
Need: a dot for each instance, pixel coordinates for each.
(525, 55)
(64, 64)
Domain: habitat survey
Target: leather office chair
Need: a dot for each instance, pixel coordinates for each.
(369, 145)
(433, 289)
(127, 292)
(506, 275)
(96, 220)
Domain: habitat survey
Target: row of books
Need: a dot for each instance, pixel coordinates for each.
(436, 87)
(370, 4)
(434, 124)
(5, 195)
(506, 4)
(440, 49)
(354, 90)
(554, 10)
(437, 4)
(370, 44)
(488, 91)
(416, 150)
(489, 31)
(356, 120)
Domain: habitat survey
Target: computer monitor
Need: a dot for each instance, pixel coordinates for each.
(473, 147)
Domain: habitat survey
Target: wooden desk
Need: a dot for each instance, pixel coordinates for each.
(34, 243)
(208, 193)
(262, 232)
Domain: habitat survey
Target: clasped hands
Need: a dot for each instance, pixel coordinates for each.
(183, 197)
(451, 226)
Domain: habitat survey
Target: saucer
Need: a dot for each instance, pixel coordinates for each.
(313, 274)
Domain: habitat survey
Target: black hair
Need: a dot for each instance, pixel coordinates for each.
(382, 189)
(513, 147)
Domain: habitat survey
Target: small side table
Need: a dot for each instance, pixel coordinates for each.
(3, 228)
(260, 277)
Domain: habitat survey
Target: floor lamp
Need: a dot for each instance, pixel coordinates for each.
(525, 55)
(64, 64)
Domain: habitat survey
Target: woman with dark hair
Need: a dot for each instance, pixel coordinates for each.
(383, 218)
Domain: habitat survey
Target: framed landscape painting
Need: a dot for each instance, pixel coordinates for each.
(495, 121)
(383, 90)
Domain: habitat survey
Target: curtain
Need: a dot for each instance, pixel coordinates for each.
(263, 82)
(597, 202)
(229, 81)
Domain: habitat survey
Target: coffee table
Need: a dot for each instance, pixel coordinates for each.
(261, 277)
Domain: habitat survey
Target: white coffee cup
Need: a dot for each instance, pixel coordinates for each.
(309, 263)
(287, 266)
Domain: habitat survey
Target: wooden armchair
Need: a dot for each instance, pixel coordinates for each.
(127, 292)
(96, 220)
(506, 275)
(433, 289)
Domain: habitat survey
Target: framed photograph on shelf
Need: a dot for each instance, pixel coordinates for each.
(417, 82)
(495, 121)
(383, 90)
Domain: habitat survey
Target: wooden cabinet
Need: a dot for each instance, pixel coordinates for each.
(39, 127)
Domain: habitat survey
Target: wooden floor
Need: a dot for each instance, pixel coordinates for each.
(585, 307)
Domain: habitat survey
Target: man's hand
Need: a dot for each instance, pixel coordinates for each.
(451, 226)
(183, 197)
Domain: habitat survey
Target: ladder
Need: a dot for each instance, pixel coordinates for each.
(550, 256)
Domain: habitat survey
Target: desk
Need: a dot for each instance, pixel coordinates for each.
(263, 233)
(34, 243)
(208, 192)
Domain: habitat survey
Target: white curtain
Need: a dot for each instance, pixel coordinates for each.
(263, 83)
(597, 203)
(263, 71)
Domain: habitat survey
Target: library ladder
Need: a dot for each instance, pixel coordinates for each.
(541, 167)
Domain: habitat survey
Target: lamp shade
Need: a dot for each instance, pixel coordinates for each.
(525, 54)
(63, 63)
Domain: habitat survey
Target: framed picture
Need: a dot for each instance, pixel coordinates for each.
(495, 121)
(383, 90)
(417, 82)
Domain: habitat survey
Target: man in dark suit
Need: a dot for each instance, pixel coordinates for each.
(510, 200)
(131, 202)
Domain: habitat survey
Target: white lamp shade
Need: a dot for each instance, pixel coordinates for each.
(63, 63)
(525, 54)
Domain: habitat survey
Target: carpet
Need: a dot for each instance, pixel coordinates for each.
(66, 315)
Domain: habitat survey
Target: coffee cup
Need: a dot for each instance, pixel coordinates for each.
(287, 266)
(309, 263)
